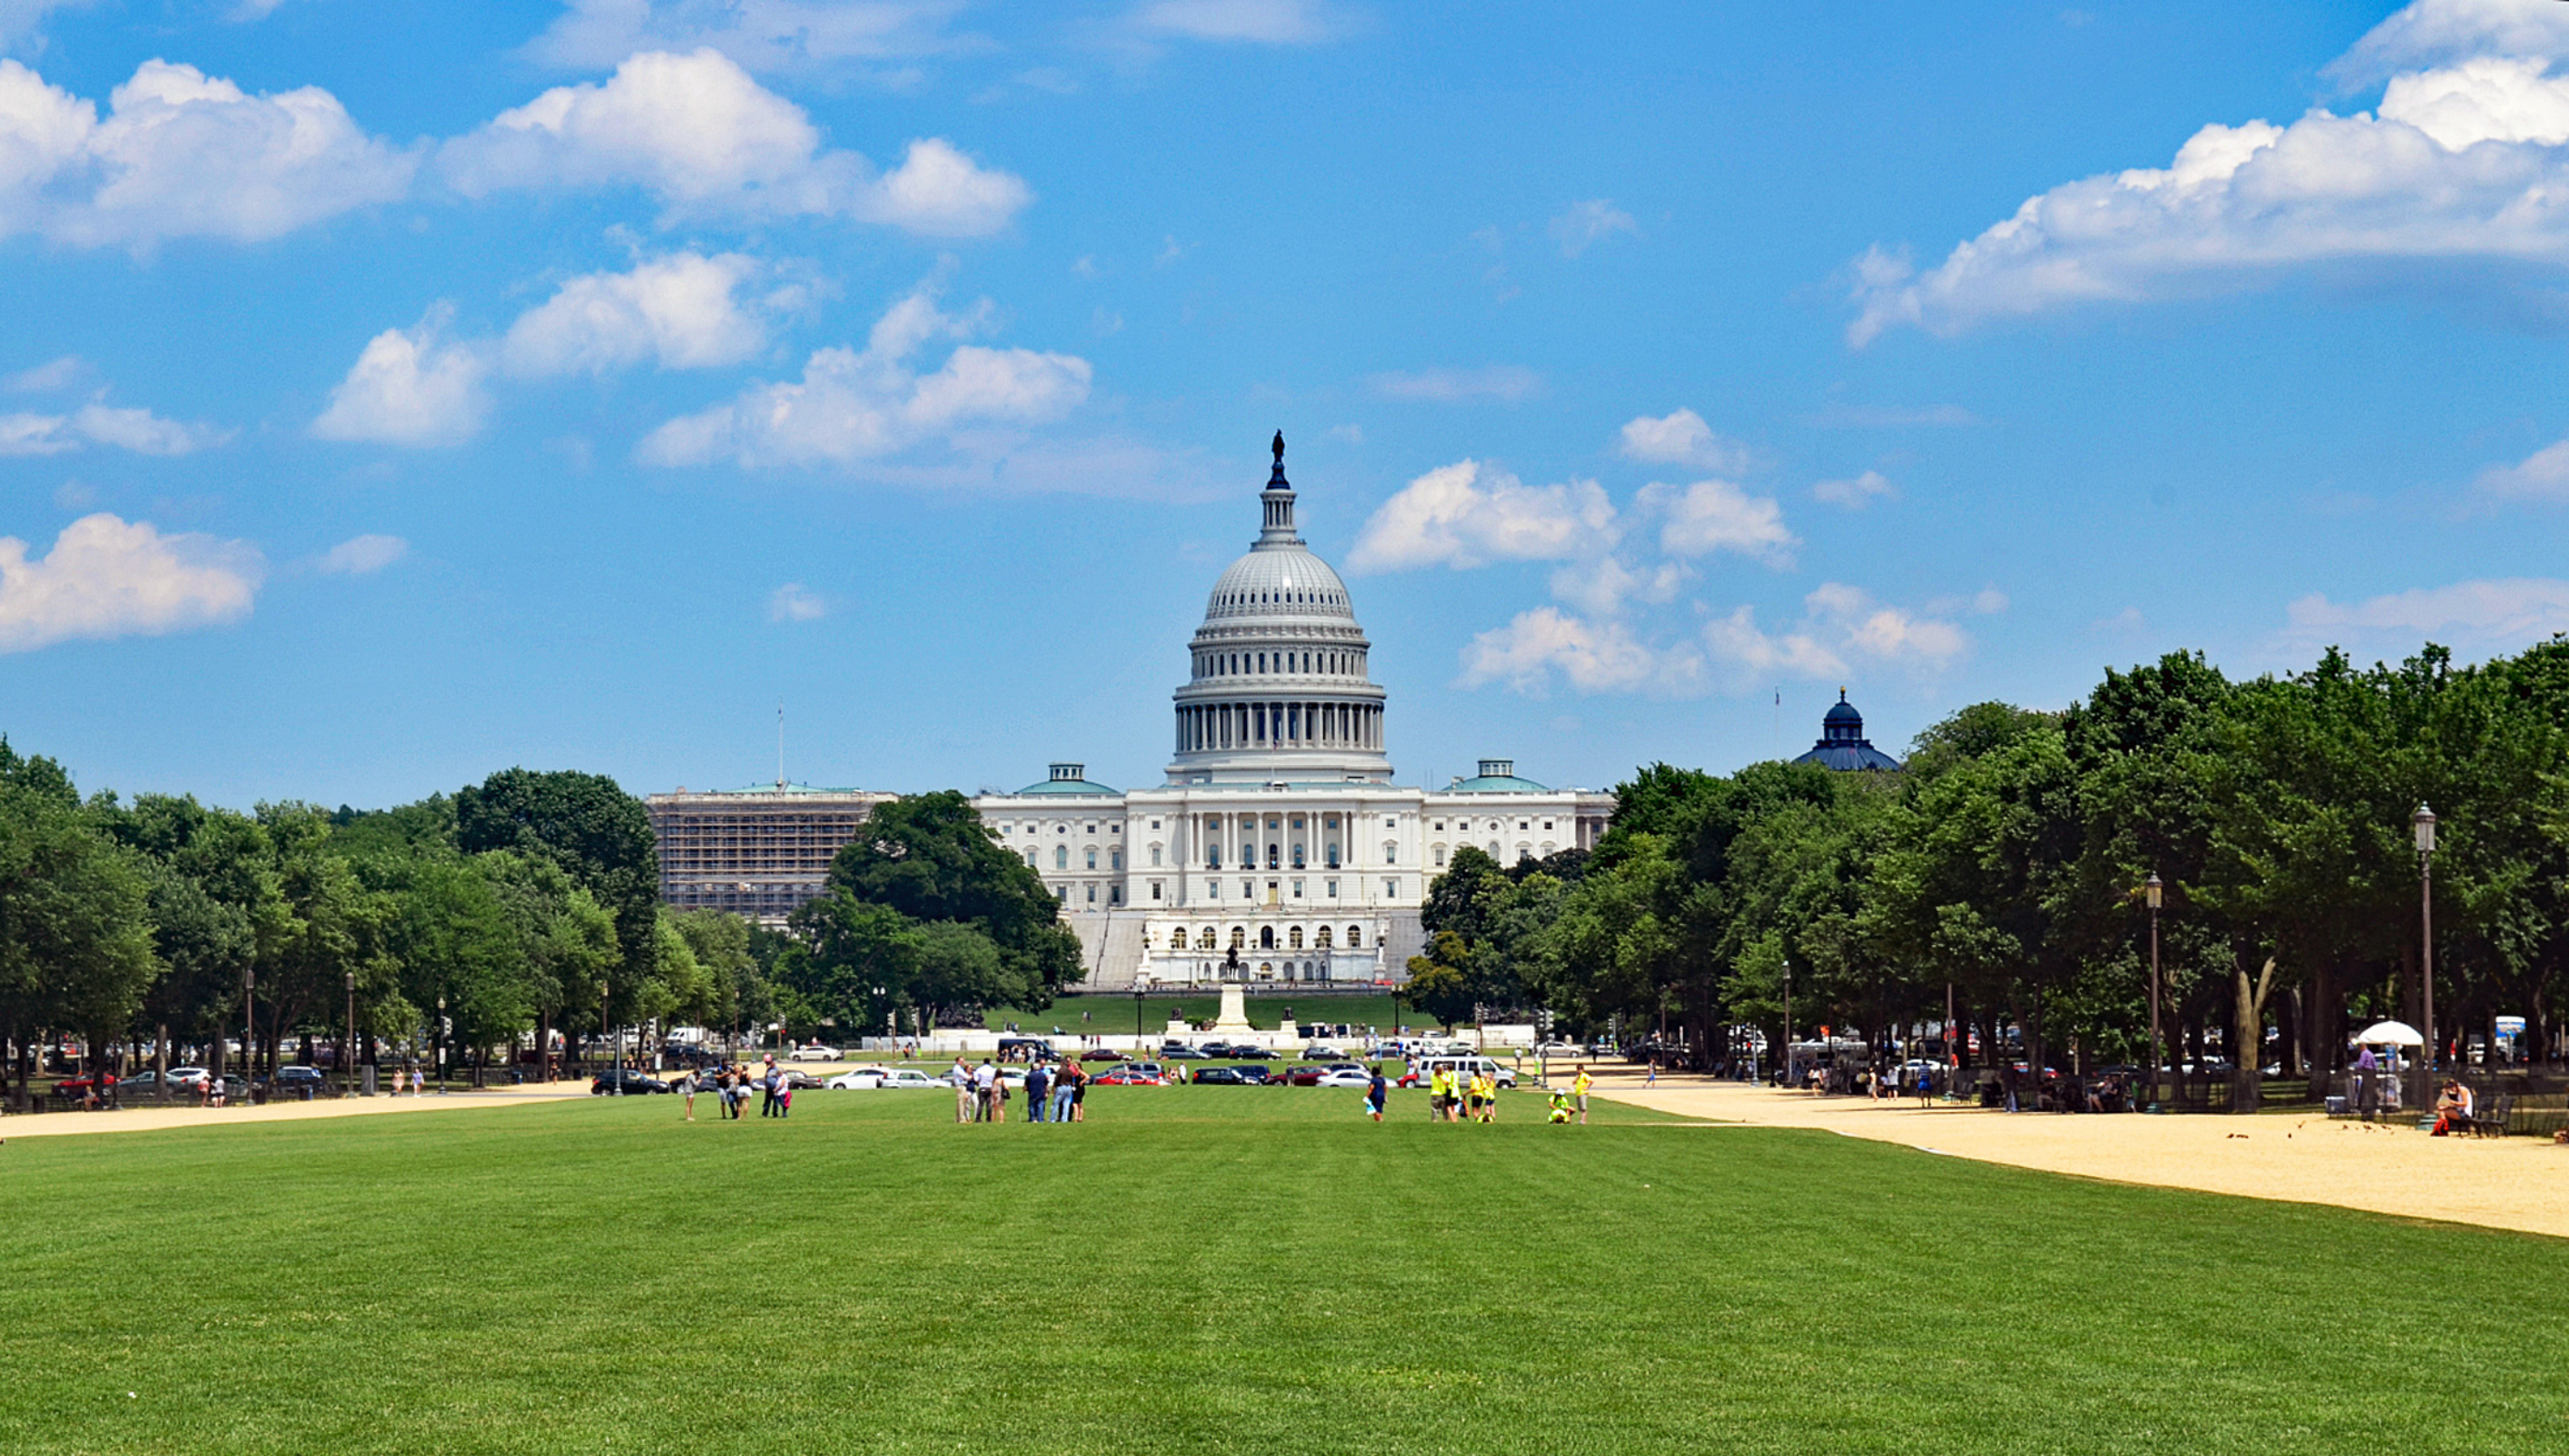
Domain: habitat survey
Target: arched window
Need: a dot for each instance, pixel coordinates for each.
(1239, 937)
(1391, 852)
(1030, 859)
(1061, 857)
(1321, 938)
(1439, 853)
(1294, 938)
(1271, 852)
(1114, 858)
(1204, 939)
(1355, 938)
(1092, 857)
(1298, 856)
(1267, 937)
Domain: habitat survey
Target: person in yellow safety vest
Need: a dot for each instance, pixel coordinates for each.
(1440, 1094)
(1485, 1091)
(1579, 1086)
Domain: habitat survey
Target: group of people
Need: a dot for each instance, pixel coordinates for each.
(734, 1083)
(1053, 1093)
(1453, 1097)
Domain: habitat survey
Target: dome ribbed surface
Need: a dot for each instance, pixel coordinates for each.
(1278, 581)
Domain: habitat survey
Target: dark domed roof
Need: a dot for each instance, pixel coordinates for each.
(1843, 746)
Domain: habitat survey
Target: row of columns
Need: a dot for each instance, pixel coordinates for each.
(1210, 727)
(1239, 837)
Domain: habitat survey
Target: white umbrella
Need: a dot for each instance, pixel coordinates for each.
(2389, 1033)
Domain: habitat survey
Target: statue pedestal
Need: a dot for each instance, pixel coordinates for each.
(1288, 1032)
(1178, 1029)
(1233, 1018)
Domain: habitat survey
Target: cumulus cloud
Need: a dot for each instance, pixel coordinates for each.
(2499, 613)
(97, 423)
(106, 577)
(1262, 22)
(2464, 160)
(1469, 514)
(1681, 438)
(763, 35)
(182, 154)
(1856, 494)
(1592, 656)
(1506, 383)
(698, 131)
(791, 602)
(1841, 628)
(2541, 476)
(680, 312)
(855, 406)
(361, 556)
(410, 387)
(1716, 516)
(50, 377)
(1588, 223)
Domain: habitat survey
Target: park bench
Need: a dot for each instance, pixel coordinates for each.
(2489, 1121)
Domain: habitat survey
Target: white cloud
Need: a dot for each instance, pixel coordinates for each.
(50, 377)
(701, 134)
(763, 35)
(2464, 161)
(1507, 383)
(2542, 477)
(1716, 516)
(1263, 22)
(1857, 493)
(361, 556)
(108, 579)
(1681, 438)
(792, 604)
(1602, 588)
(182, 154)
(1841, 626)
(679, 311)
(97, 423)
(1468, 514)
(853, 406)
(409, 388)
(1590, 222)
(1592, 656)
(2504, 613)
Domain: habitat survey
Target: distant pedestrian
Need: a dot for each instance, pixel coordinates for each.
(1579, 1086)
(687, 1084)
(1065, 1088)
(1079, 1097)
(1377, 1091)
(961, 1075)
(767, 1086)
(985, 1086)
(1039, 1088)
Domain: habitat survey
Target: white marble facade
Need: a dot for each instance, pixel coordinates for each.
(1279, 832)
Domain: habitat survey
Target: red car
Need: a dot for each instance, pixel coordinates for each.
(78, 1087)
(1130, 1076)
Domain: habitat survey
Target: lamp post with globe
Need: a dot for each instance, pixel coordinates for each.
(2424, 824)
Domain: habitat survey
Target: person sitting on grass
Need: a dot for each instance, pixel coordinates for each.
(1560, 1107)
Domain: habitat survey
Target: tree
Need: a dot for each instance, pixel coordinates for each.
(76, 950)
(930, 858)
(599, 835)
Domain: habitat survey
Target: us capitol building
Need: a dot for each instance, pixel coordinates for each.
(1277, 833)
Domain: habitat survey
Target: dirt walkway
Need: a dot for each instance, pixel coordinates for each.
(153, 1119)
(2501, 1182)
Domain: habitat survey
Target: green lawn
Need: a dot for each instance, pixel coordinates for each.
(1216, 1269)
(1112, 1015)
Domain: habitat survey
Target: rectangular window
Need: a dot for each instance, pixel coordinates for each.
(1155, 890)
(1547, 826)
(1334, 889)
(1155, 824)
(1092, 895)
(1391, 889)
(1298, 889)
(1212, 889)
(1155, 856)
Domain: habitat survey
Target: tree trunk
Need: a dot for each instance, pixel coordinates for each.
(2248, 1023)
(2320, 1037)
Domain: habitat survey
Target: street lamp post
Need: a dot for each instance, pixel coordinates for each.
(348, 1056)
(2423, 823)
(249, 1025)
(441, 1046)
(2153, 890)
(1137, 1018)
(1788, 1062)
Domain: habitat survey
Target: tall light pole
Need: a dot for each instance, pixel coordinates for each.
(2154, 890)
(1788, 1024)
(348, 1056)
(441, 1046)
(2424, 822)
(249, 1025)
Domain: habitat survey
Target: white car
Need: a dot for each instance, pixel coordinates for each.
(815, 1052)
(874, 1079)
(1344, 1077)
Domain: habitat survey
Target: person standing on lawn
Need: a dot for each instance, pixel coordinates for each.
(1376, 1090)
(767, 1086)
(1579, 1086)
(687, 1084)
(985, 1090)
(1038, 1087)
(1066, 1090)
(960, 1076)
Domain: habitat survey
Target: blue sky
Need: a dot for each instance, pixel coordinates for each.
(396, 392)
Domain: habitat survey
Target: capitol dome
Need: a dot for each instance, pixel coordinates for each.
(1278, 691)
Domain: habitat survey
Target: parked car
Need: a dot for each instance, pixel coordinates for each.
(815, 1052)
(78, 1087)
(187, 1079)
(1258, 1075)
(1252, 1054)
(1356, 1077)
(1131, 1074)
(1462, 1067)
(1224, 1077)
(1216, 1049)
(1183, 1053)
(629, 1082)
(297, 1081)
(1322, 1052)
(798, 1080)
(1101, 1054)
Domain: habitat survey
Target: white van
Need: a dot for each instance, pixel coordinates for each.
(1464, 1069)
